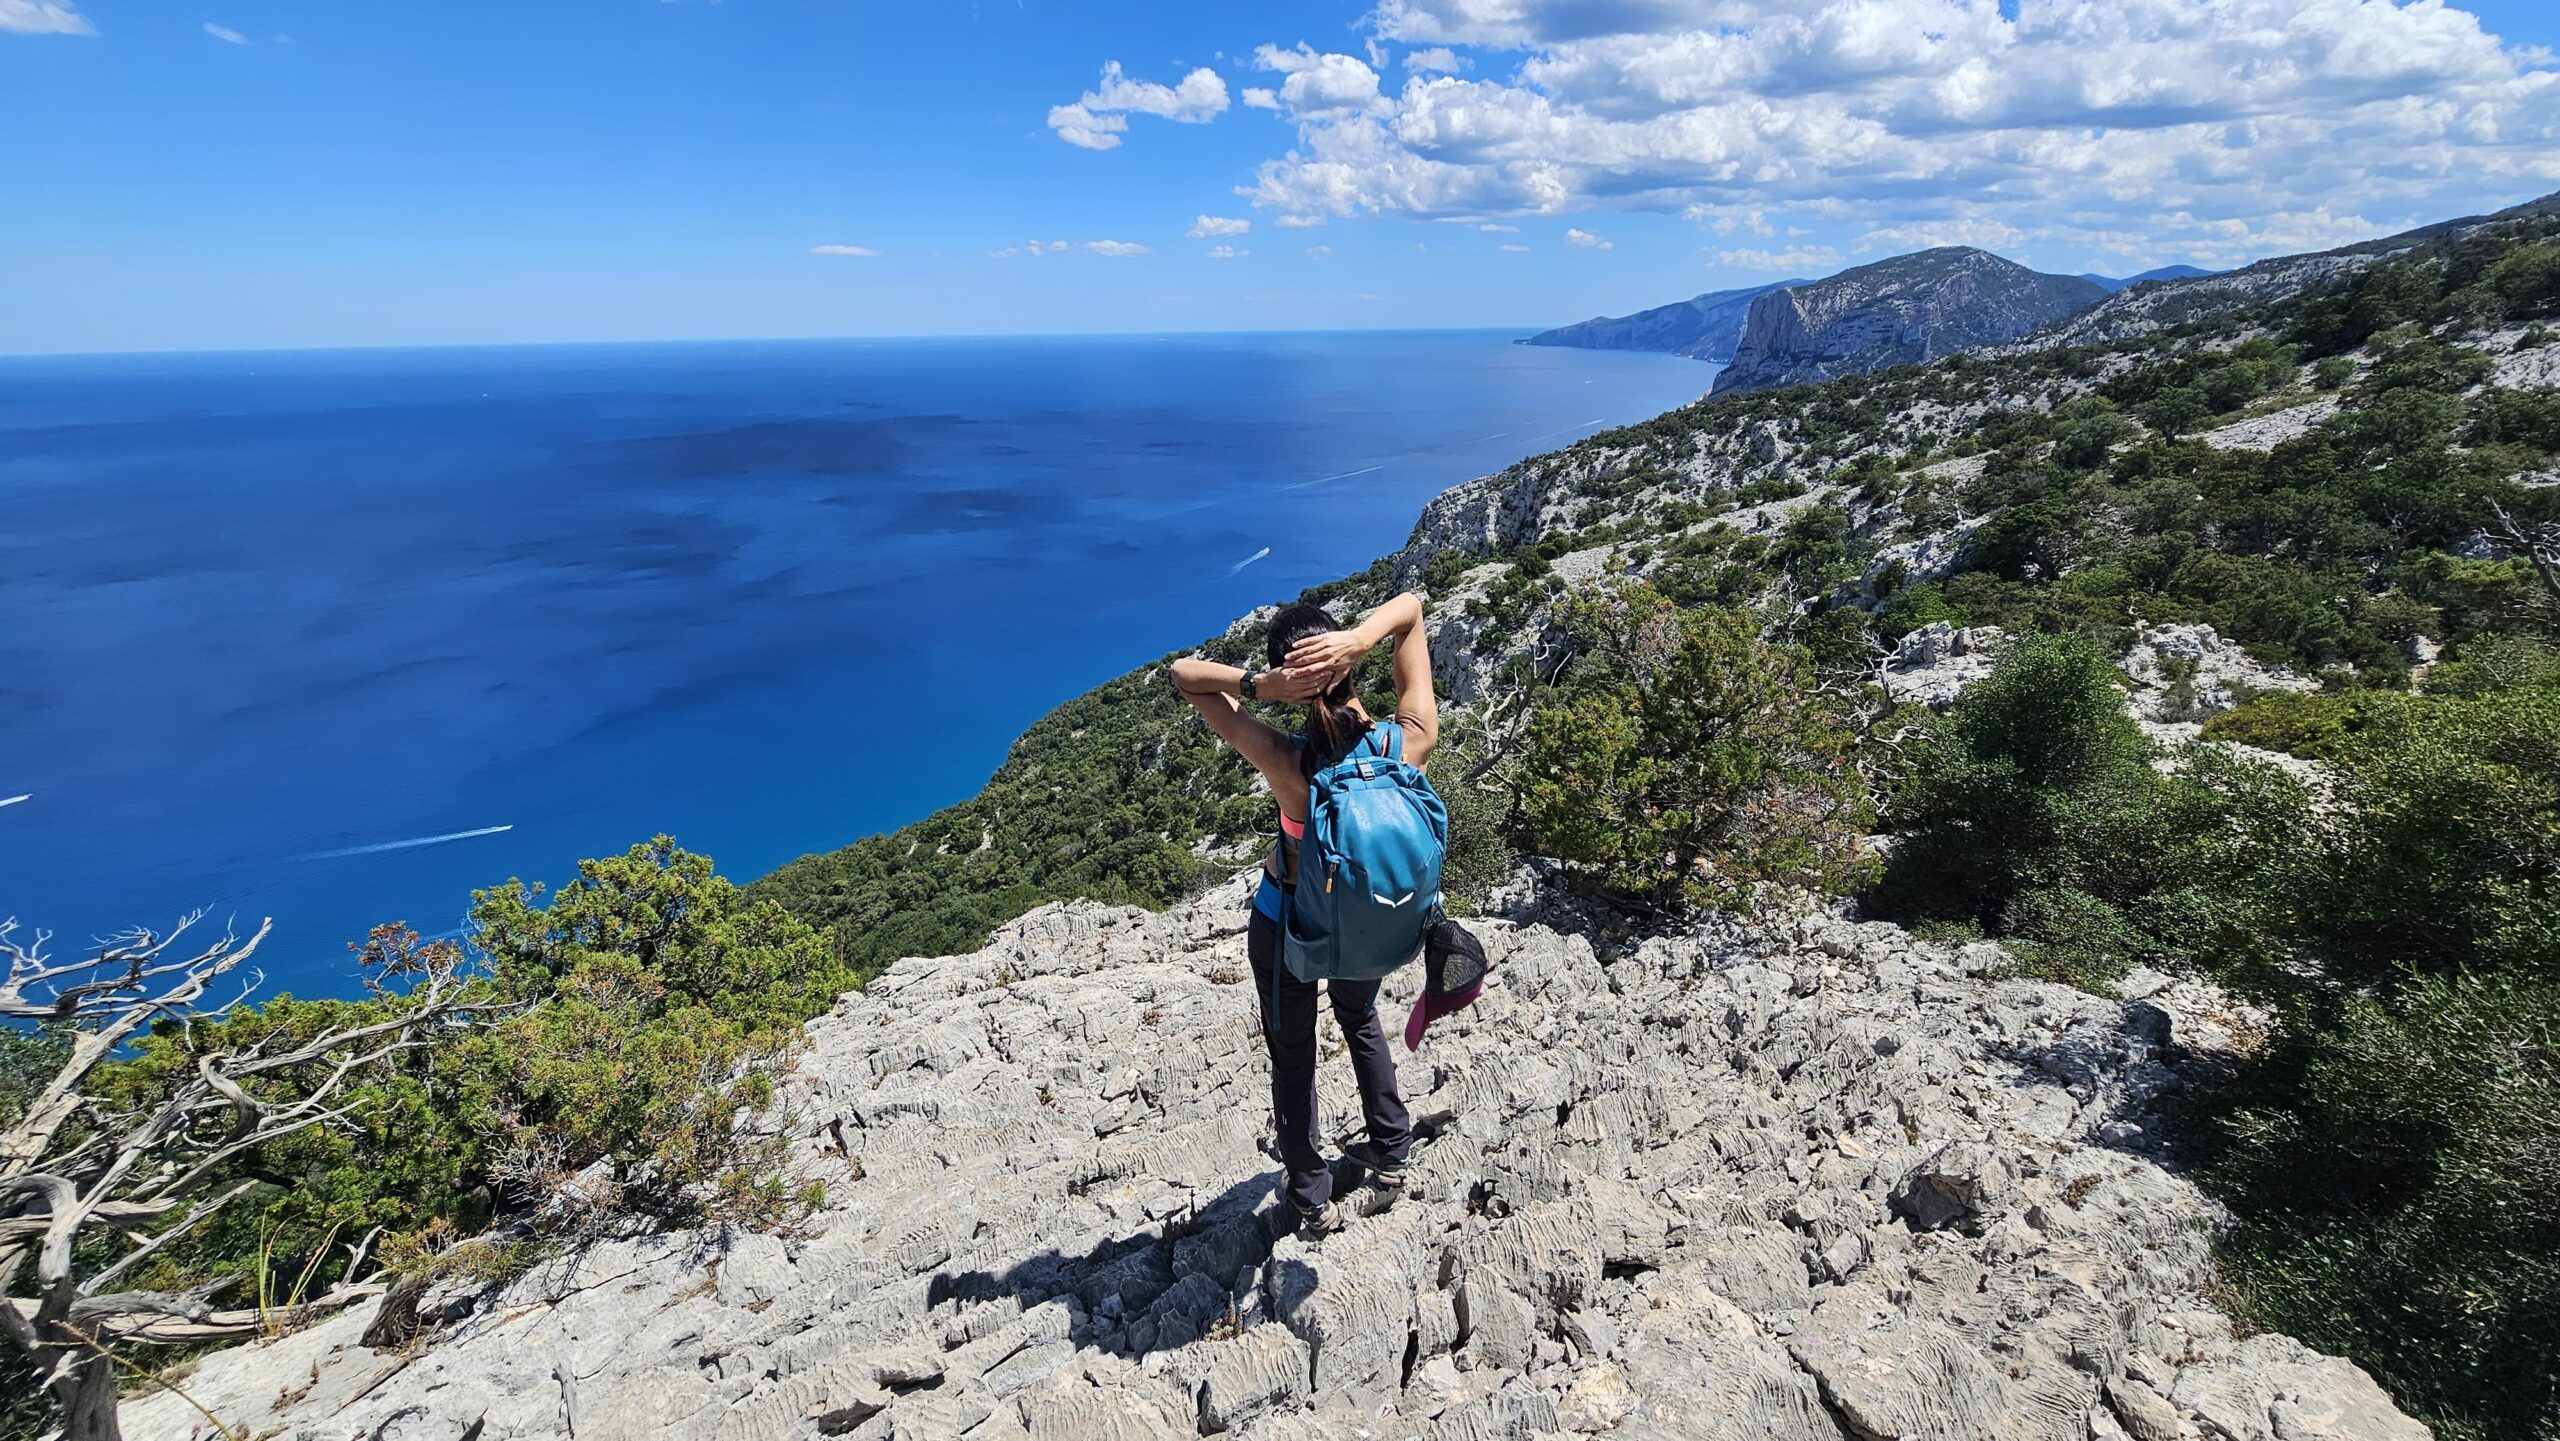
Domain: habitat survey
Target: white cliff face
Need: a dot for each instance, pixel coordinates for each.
(1821, 1184)
(1909, 308)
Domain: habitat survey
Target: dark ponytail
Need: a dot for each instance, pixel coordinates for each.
(1333, 727)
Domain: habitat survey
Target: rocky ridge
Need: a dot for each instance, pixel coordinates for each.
(1703, 327)
(1910, 308)
(2141, 310)
(1823, 1182)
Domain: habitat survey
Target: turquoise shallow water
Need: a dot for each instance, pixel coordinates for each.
(268, 618)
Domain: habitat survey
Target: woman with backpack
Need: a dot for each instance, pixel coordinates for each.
(1311, 663)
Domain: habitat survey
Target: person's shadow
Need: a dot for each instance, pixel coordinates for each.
(1171, 1283)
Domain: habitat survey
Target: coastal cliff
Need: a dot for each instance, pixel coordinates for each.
(1910, 308)
(1703, 327)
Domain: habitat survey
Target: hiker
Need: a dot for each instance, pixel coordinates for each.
(1311, 663)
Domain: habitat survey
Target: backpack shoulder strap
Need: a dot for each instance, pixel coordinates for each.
(1392, 746)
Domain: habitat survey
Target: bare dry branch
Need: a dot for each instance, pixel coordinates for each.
(2538, 544)
(116, 1173)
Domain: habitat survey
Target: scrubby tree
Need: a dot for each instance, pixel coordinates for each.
(669, 999)
(99, 1183)
(2038, 813)
(2388, 1162)
(2443, 851)
(1687, 761)
(162, 1151)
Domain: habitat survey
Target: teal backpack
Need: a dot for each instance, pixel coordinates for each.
(1368, 873)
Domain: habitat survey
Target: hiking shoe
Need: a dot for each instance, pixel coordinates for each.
(1385, 1171)
(1321, 1222)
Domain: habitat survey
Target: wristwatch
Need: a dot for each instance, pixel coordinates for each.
(1244, 685)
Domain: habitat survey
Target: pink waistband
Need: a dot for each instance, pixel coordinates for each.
(1294, 830)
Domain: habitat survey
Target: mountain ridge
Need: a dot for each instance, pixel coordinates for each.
(2112, 283)
(2145, 310)
(1703, 327)
(1900, 310)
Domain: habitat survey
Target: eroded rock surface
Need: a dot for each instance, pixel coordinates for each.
(1827, 1184)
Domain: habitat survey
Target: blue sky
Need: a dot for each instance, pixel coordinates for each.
(319, 172)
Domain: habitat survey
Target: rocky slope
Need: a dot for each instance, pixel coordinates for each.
(2146, 309)
(1826, 1182)
(1703, 327)
(1909, 308)
(2143, 310)
(2113, 283)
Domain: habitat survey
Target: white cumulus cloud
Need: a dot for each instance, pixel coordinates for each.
(1117, 248)
(2066, 123)
(1319, 252)
(862, 251)
(1587, 240)
(1798, 258)
(1975, 230)
(225, 34)
(1211, 227)
(1227, 252)
(1097, 119)
(1322, 84)
(1032, 247)
(43, 17)
(1493, 228)
(1513, 249)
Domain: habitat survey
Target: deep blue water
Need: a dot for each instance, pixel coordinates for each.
(767, 597)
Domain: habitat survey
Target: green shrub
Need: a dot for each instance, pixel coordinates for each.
(1480, 853)
(2036, 813)
(2315, 725)
(2496, 664)
(29, 1058)
(625, 1027)
(2444, 846)
(2176, 412)
(670, 1000)
(1690, 762)
(2390, 1176)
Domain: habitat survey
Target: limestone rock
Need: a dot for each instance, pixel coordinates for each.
(1933, 665)
(1956, 1186)
(1827, 1183)
(2189, 672)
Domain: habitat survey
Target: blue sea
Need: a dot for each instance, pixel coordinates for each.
(335, 636)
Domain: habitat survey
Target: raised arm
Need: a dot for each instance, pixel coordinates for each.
(1212, 689)
(1417, 703)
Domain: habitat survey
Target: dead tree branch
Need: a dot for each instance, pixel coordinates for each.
(75, 1171)
(2538, 544)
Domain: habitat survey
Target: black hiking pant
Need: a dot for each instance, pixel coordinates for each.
(1289, 1033)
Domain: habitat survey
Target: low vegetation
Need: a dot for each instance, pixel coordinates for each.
(2387, 1156)
(2041, 814)
(1687, 762)
(592, 1061)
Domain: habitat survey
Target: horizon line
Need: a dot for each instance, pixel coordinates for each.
(392, 345)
